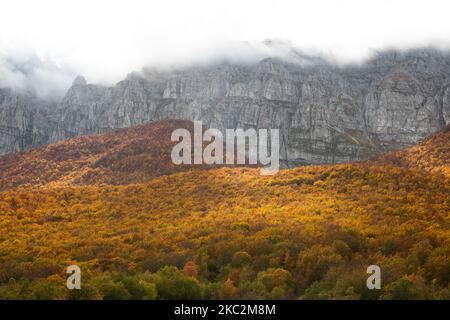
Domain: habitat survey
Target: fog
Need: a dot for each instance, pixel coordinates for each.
(44, 44)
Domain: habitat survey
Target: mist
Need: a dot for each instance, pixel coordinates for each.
(45, 44)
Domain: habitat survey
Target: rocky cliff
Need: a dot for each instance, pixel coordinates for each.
(326, 113)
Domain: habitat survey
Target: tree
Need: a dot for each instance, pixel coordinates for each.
(228, 291)
(402, 289)
(191, 269)
(275, 277)
(314, 262)
(110, 289)
(240, 259)
(171, 283)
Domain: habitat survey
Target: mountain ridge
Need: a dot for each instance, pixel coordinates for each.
(141, 153)
(326, 113)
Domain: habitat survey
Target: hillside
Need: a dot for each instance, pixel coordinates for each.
(140, 153)
(123, 156)
(431, 155)
(308, 232)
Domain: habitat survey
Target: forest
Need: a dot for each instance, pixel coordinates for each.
(222, 233)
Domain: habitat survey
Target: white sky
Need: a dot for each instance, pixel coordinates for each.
(106, 39)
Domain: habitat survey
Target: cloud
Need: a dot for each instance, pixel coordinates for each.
(106, 39)
(30, 73)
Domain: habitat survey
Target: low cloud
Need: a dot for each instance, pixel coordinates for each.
(45, 44)
(32, 74)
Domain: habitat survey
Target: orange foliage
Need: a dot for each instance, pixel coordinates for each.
(306, 232)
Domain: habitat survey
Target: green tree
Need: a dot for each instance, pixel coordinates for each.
(172, 283)
(402, 289)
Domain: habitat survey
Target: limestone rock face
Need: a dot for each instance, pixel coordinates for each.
(24, 121)
(326, 113)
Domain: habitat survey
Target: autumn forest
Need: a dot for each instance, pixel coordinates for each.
(141, 227)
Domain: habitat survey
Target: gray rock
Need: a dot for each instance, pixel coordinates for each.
(24, 121)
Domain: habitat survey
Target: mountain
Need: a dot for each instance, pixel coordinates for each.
(327, 113)
(308, 232)
(141, 153)
(24, 121)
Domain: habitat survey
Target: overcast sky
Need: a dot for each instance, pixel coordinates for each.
(106, 39)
